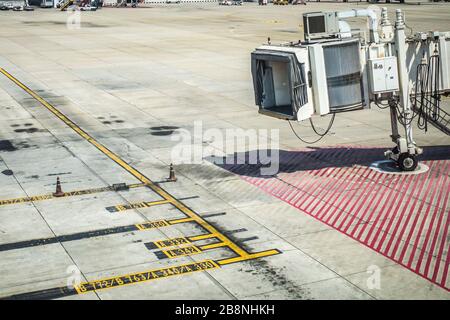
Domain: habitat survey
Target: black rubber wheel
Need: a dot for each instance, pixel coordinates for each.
(407, 162)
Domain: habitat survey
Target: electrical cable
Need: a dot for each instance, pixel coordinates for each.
(434, 86)
(321, 135)
(419, 90)
(326, 131)
(381, 105)
(427, 88)
(400, 115)
(410, 29)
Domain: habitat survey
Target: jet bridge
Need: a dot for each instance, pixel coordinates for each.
(339, 69)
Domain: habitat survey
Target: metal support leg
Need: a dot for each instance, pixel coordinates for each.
(406, 150)
(394, 125)
(406, 161)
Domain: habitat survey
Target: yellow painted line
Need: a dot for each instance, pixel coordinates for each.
(238, 250)
(138, 175)
(213, 246)
(171, 242)
(251, 256)
(146, 276)
(180, 252)
(203, 237)
(161, 244)
(136, 185)
(152, 225)
(183, 220)
(25, 199)
(139, 205)
(66, 194)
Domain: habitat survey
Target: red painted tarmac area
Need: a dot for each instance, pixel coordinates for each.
(404, 217)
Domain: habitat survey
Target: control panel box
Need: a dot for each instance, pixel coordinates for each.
(383, 75)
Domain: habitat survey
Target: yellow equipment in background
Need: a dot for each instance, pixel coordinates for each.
(66, 4)
(280, 2)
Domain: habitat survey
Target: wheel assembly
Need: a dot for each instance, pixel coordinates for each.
(407, 162)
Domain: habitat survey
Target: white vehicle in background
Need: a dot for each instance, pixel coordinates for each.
(5, 6)
(88, 8)
(47, 4)
(230, 3)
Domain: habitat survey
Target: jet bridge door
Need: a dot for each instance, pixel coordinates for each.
(280, 84)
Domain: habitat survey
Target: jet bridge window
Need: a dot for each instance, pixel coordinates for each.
(280, 83)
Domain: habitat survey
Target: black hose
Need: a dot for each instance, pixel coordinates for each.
(434, 86)
(420, 90)
(321, 135)
(314, 128)
(427, 88)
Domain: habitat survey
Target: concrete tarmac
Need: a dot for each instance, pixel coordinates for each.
(107, 102)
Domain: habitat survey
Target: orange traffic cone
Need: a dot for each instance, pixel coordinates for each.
(171, 177)
(59, 192)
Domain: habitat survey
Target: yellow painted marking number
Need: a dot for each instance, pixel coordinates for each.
(146, 276)
(153, 224)
(171, 242)
(186, 251)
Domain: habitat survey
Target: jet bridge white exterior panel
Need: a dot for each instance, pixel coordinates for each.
(279, 92)
(319, 79)
(444, 47)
